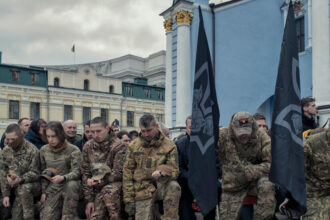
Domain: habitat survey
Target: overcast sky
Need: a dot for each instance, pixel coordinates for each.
(43, 31)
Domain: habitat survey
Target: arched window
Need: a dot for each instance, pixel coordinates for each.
(56, 82)
(86, 84)
(111, 89)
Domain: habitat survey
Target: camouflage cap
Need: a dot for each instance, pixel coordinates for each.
(48, 173)
(100, 170)
(243, 123)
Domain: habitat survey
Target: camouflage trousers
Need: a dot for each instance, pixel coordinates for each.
(61, 201)
(108, 201)
(318, 208)
(232, 202)
(23, 207)
(170, 193)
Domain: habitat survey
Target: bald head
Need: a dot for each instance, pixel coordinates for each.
(70, 128)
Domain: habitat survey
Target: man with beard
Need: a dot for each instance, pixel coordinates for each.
(244, 151)
(24, 124)
(103, 195)
(20, 169)
(149, 173)
(60, 166)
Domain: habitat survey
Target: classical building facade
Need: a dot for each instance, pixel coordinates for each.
(123, 88)
(245, 39)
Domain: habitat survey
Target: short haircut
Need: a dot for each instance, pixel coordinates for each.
(306, 101)
(147, 120)
(188, 118)
(13, 128)
(22, 119)
(88, 123)
(134, 133)
(57, 127)
(122, 133)
(258, 116)
(99, 120)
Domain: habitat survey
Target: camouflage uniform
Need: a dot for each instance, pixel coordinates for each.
(62, 198)
(245, 169)
(142, 159)
(107, 195)
(24, 161)
(317, 166)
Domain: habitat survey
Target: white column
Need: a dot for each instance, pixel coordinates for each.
(310, 30)
(168, 82)
(183, 83)
(321, 57)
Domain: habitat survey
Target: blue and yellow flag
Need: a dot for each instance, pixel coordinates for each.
(73, 49)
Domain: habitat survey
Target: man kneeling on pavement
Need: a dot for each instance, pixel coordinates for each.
(245, 154)
(149, 173)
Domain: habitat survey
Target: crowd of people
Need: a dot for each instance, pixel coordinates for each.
(48, 171)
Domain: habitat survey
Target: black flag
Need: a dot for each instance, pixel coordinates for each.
(287, 168)
(204, 129)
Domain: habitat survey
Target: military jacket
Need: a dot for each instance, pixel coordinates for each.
(24, 161)
(317, 164)
(66, 162)
(243, 163)
(142, 159)
(111, 152)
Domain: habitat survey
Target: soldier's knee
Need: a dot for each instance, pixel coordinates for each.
(72, 187)
(25, 189)
(173, 187)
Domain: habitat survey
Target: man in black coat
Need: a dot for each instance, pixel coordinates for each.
(309, 111)
(186, 211)
(86, 137)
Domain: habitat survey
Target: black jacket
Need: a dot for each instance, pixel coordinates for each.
(308, 123)
(34, 138)
(183, 151)
(81, 142)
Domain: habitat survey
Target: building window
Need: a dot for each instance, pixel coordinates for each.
(56, 82)
(111, 89)
(159, 118)
(67, 112)
(147, 93)
(86, 84)
(13, 109)
(34, 111)
(300, 33)
(104, 114)
(129, 91)
(159, 94)
(86, 114)
(14, 76)
(130, 119)
(35, 78)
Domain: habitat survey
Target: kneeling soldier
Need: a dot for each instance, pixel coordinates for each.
(103, 154)
(20, 167)
(149, 173)
(60, 162)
